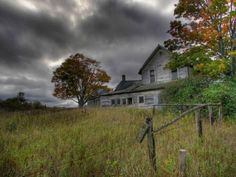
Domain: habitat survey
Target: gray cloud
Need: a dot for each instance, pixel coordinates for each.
(120, 34)
(116, 21)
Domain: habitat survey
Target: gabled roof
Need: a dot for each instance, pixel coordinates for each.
(159, 47)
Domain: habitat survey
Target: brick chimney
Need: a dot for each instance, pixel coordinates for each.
(123, 77)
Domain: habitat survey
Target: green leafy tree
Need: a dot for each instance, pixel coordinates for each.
(200, 59)
(210, 24)
(78, 79)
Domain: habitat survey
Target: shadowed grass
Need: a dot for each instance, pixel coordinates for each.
(101, 142)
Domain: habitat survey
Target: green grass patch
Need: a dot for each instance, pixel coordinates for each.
(101, 142)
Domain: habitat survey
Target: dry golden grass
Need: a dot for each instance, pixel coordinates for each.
(101, 142)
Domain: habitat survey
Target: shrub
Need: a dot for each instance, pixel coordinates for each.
(223, 92)
(184, 91)
(11, 126)
(202, 90)
(9, 167)
(19, 103)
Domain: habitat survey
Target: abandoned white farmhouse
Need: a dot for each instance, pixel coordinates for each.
(144, 92)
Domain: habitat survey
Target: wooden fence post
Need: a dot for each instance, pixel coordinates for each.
(143, 132)
(182, 162)
(198, 123)
(151, 144)
(211, 118)
(220, 113)
(153, 110)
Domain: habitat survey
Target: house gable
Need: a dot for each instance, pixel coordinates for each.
(159, 50)
(153, 70)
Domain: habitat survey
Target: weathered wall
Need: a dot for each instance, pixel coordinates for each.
(182, 72)
(94, 102)
(157, 64)
(162, 75)
(151, 97)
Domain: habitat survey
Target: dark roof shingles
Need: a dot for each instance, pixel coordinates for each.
(125, 84)
(138, 87)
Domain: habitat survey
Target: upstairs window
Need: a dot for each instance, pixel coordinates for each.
(174, 75)
(152, 76)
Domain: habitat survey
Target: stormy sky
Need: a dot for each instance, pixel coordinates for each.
(37, 36)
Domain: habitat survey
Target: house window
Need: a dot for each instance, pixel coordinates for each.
(124, 101)
(141, 99)
(118, 101)
(149, 99)
(130, 100)
(113, 102)
(174, 75)
(152, 76)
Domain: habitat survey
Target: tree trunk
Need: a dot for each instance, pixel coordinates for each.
(81, 103)
(233, 37)
(233, 64)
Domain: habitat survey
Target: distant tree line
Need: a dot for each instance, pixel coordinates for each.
(19, 103)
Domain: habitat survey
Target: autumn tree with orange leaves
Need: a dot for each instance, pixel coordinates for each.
(208, 28)
(79, 78)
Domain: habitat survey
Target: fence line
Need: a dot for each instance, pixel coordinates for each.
(148, 130)
(188, 104)
(179, 117)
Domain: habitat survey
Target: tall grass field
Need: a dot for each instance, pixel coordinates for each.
(102, 143)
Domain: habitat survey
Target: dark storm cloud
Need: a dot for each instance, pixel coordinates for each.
(119, 34)
(115, 21)
(27, 36)
(126, 33)
(23, 82)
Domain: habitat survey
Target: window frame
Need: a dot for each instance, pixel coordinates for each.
(143, 99)
(128, 100)
(113, 100)
(174, 71)
(124, 99)
(152, 75)
(118, 101)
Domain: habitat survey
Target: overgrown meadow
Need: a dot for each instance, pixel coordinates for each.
(102, 142)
